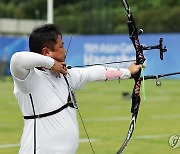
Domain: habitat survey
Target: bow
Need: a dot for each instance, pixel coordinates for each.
(140, 59)
(133, 34)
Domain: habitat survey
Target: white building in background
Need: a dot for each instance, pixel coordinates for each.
(22, 26)
(18, 26)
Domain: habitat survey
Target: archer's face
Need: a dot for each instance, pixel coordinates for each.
(59, 52)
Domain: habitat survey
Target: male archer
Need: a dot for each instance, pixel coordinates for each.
(44, 89)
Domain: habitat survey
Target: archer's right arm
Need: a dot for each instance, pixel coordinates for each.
(22, 62)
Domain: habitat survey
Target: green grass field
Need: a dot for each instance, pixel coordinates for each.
(106, 116)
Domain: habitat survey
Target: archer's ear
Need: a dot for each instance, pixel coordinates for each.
(45, 51)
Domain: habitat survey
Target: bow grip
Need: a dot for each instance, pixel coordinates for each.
(136, 94)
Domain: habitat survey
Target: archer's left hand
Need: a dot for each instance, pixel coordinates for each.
(133, 68)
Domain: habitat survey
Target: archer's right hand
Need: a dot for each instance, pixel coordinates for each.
(59, 68)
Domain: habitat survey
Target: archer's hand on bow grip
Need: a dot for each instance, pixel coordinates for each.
(133, 68)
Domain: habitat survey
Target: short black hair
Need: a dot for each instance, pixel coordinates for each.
(43, 36)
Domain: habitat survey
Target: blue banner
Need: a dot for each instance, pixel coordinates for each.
(90, 49)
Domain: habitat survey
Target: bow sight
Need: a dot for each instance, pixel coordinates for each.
(133, 33)
(160, 46)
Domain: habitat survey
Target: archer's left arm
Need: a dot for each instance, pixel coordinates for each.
(81, 76)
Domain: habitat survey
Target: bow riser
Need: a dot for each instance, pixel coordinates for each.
(136, 96)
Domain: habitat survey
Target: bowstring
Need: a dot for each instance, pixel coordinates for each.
(74, 29)
(72, 34)
(90, 143)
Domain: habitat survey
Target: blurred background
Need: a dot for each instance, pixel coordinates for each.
(94, 17)
(99, 29)
(96, 31)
